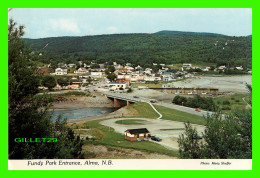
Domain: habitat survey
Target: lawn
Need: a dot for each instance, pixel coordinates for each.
(141, 110)
(144, 110)
(112, 138)
(232, 102)
(175, 115)
(131, 122)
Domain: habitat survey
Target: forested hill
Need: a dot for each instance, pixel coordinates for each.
(144, 49)
(188, 33)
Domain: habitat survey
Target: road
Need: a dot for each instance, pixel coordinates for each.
(168, 105)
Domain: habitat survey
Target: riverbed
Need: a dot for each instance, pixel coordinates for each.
(76, 114)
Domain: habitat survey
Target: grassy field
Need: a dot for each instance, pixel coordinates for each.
(175, 115)
(232, 102)
(144, 110)
(141, 110)
(130, 122)
(107, 136)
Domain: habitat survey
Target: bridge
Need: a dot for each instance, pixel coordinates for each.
(121, 100)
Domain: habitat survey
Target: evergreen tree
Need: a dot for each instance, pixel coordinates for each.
(225, 137)
(27, 114)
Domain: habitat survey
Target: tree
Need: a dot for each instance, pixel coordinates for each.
(63, 82)
(225, 137)
(49, 82)
(28, 115)
(111, 77)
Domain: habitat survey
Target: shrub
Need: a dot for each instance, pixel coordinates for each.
(226, 108)
(226, 102)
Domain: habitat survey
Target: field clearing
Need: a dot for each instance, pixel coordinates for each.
(232, 102)
(175, 115)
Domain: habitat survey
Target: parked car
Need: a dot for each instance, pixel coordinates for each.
(153, 101)
(197, 109)
(156, 138)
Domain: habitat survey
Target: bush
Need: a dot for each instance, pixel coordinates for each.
(226, 108)
(226, 102)
(237, 101)
(129, 90)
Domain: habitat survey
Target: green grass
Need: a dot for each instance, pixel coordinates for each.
(236, 102)
(141, 110)
(112, 138)
(175, 115)
(144, 110)
(130, 122)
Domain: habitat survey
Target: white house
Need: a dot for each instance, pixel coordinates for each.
(96, 74)
(221, 67)
(72, 65)
(186, 65)
(61, 71)
(81, 70)
(117, 86)
(239, 68)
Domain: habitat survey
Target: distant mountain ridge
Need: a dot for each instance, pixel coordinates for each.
(167, 47)
(188, 33)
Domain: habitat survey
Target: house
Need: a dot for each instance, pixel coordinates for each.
(222, 68)
(186, 65)
(72, 65)
(75, 83)
(62, 65)
(239, 68)
(61, 71)
(148, 71)
(137, 134)
(81, 70)
(96, 74)
(167, 76)
(117, 85)
(138, 68)
(124, 78)
(206, 68)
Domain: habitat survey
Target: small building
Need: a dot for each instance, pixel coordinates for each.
(81, 70)
(187, 65)
(96, 74)
(61, 71)
(137, 134)
(117, 85)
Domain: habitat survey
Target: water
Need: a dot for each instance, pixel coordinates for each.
(79, 113)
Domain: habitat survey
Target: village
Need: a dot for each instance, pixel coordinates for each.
(125, 77)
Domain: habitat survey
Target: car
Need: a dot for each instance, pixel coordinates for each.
(156, 138)
(153, 101)
(197, 109)
(136, 96)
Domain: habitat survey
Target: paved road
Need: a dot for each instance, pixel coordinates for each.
(168, 105)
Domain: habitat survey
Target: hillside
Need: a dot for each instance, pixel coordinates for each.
(144, 49)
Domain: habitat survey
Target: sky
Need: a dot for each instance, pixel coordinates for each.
(41, 23)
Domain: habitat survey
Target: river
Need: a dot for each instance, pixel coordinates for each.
(80, 113)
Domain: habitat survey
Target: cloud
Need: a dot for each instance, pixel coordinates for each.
(64, 25)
